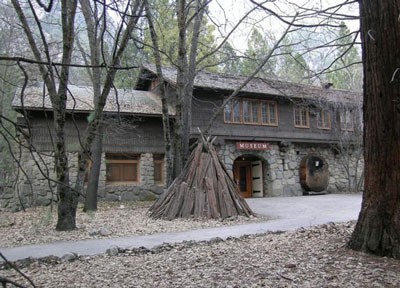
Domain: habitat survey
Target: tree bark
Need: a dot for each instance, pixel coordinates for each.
(68, 197)
(94, 32)
(378, 227)
(94, 126)
(164, 102)
(94, 172)
(181, 83)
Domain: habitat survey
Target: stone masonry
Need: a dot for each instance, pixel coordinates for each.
(34, 185)
(281, 167)
(280, 175)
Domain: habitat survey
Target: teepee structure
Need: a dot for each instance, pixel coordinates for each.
(204, 189)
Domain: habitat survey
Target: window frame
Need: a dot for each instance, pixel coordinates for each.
(133, 159)
(299, 109)
(251, 104)
(241, 118)
(348, 115)
(321, 124)
(275, 104)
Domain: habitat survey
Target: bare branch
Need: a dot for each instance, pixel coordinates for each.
(249, 78)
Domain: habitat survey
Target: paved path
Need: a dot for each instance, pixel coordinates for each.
(287, 213)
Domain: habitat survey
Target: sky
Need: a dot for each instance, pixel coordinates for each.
(233, 10)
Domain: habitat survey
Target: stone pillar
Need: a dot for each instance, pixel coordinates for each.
(146, 169)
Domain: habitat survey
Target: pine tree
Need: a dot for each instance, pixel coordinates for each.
(292, 66)
(257, 48)
(230, 63)
(346, 71)
(167, 32)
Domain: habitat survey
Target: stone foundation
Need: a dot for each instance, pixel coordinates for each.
(280, 173)
(281, 167)
(33, 185)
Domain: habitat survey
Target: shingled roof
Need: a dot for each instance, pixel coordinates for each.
(80, 99)
(218, 81)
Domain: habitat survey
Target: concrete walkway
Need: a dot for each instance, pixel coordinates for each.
(287, 213)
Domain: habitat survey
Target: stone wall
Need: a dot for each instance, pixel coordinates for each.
(145, 189)
(280, 175)
(34, 185)
(281, 167)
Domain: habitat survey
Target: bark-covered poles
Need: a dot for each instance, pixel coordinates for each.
(204, 189)
(378, 227)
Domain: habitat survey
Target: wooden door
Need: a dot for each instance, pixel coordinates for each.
(243, 177)
(257, 176)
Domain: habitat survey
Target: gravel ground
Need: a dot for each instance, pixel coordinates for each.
(113, 219)
(312, 257)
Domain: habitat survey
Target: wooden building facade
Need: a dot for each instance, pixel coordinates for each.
(262, 134)
(270, 126)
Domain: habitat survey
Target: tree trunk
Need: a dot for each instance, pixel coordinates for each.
(94, 172)
(181, 89)
(378, 226)
(93, 130)
(164, 102)
(67, 205)
(68, 198)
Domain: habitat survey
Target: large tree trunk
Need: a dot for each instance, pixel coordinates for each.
(378, 227)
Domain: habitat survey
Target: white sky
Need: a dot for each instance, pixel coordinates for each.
(233, 10)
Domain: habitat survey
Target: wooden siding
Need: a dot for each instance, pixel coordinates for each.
(206, 103)
(134, 135)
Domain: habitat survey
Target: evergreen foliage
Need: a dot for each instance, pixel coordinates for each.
(347, 69)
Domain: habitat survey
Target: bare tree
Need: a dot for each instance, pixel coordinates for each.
(129, 20)
(55, 75)
(56, 84)
(98, 23)
(165, 112)
(95, 29)
(350, 146)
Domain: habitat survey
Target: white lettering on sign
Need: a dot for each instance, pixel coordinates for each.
(252, 146)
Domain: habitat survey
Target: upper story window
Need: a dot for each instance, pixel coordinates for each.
(347, 120)
(324, 119)
(122, 167)
(233, 112)
(158, 169)
(251, 111)
(301, 117)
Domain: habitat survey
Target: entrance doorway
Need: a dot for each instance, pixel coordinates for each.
(247, 173)
(242, 177)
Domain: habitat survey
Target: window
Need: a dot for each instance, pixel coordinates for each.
(324, 119)
(233, 112)
(122, 167)
(269, 113)
(347, 120)
(301, 117)
(158, 168)
(251, 111)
